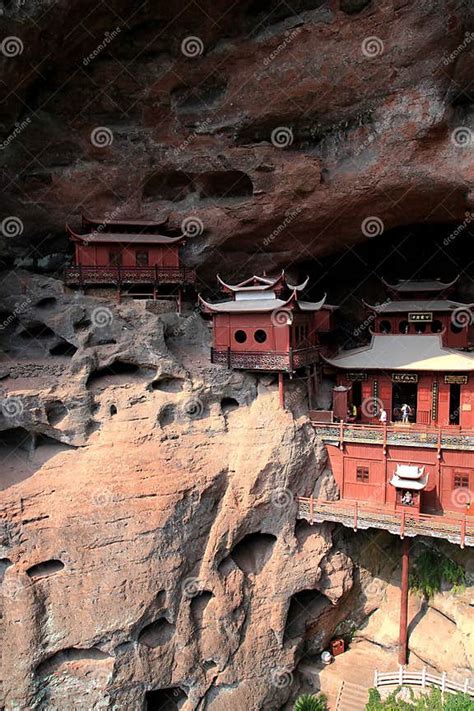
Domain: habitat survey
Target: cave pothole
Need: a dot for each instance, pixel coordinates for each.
(63, 348)
(228, 404)
(305, 608)
(225, 184)
(36, 330)
(167, 385)
(157, 633)
(169, 185)
(199, 604)
(169, 699)
(44, 569)
(55, 412)
(252, 552)
(114, 370)
(46, 303)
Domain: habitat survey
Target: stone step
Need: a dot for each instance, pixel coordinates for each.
(352, 697)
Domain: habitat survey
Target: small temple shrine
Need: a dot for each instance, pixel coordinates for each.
(267, 325)
(400, 433)
(421, 308)
(129, 254)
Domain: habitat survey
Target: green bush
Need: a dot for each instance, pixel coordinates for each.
(429, 571)
(308, 702)
(434, 701)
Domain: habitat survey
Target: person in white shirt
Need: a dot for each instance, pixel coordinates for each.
(383, 416)
(406, 410)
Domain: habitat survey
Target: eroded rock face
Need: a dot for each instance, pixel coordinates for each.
(172, 114)
(156, 549)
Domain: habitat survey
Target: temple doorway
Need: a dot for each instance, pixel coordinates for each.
(454, 403)
(404, 393)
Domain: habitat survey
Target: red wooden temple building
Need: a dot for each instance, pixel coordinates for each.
(266, 325)
(403, 457)
(128, 254)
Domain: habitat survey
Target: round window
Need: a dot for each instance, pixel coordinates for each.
(385, 326)
(240, 336)
(436, 327)
(404, 327)
(260, 336)
(455, 329)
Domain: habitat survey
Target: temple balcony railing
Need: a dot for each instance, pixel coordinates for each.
(361, 516)
(265, 360)
(88, 275)
(394, 435)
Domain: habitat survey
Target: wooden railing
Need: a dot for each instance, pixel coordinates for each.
(405, 677)
(115, 274)
(412, 435)
(265, 360)
(358, 515)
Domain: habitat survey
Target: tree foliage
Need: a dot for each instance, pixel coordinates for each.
(308, 702)
(434, 701)
(431, 569)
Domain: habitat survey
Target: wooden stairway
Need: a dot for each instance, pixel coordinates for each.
(351, 697)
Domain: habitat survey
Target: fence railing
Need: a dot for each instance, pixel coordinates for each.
(424, 679)
(287, 361)
(115, 274)
(414, 435)
(358, 515)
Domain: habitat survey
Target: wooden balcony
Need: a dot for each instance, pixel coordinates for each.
(118, 275)
(394, 435)
(265, 360)
(361, 516)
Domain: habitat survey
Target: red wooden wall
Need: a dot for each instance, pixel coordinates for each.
(451, 338)
(440, 495)
(97, 255)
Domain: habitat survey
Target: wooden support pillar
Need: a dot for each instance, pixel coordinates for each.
(403, 637)
(180, 300)
(281, 390)
(309, 385)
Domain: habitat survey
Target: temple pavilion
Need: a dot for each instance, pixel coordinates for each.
(129, 254)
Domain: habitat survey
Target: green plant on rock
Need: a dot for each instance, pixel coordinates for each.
(308, 702)
(434, 701)
(431, 569)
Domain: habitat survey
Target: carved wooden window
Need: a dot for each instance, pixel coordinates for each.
(141, 258)
(115, 257)
(461, 481)
(362, 474)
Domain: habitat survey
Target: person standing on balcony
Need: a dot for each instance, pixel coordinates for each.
(406, 412)
(383, 416)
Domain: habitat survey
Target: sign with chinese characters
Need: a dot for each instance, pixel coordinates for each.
(404, 378)
(415, 317)
(456, 379)
(356, 376)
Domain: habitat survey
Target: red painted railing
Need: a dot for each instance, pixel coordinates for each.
(452, 437)
(359, 515)
(115, 274)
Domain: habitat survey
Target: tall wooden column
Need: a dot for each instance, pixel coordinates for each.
(281, 391)
(403, 637)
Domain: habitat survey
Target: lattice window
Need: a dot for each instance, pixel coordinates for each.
(461, 481)
(362, 474)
